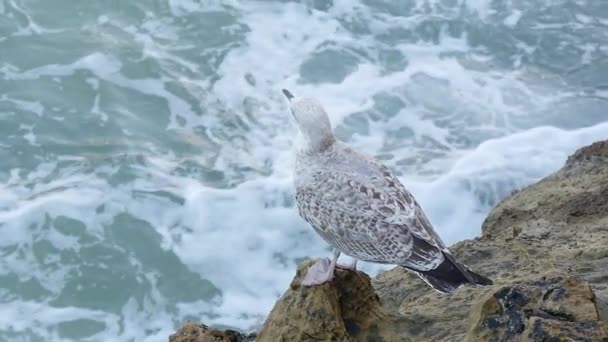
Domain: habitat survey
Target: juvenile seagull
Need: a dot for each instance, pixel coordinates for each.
(361, 209)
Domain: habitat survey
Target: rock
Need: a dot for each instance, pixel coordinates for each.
(554, 308)
(191, 332)
(345, 309)
(596, 152)
(558, 225)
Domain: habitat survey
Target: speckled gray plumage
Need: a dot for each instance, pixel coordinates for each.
(358, 206)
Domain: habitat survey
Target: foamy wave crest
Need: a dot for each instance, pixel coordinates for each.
(146, 175)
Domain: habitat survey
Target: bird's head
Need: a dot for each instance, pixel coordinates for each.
(312, 121)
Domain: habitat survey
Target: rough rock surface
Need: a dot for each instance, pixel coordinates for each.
(347, 309)
(556, 226)
(553, 308)
(545, 247)
(192, 332)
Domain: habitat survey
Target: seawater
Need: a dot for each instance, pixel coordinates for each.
(145, 146)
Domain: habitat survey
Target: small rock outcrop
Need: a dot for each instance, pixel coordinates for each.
(346, 309)
(545, 247)
(192, 332)
(556, 226)
(553, 308)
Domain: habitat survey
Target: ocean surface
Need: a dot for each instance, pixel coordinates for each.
(145, 146)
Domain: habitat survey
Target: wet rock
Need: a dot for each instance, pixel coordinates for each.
(191, 332)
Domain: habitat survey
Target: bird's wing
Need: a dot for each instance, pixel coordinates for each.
(416, 220)
(375, 217)
(427, 247)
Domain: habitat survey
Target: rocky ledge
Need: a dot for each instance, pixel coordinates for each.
(545, 247)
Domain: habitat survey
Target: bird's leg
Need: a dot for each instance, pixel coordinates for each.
(321, 271)
(352, 266)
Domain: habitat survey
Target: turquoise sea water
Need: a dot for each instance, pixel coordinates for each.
(145, 162)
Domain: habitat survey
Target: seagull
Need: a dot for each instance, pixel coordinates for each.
(361, 209)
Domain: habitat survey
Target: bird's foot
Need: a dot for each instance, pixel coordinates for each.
(352, 266)
(319, 273)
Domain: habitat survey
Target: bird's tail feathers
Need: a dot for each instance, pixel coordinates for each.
(450, 274)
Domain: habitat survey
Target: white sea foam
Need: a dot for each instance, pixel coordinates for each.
(478, 130)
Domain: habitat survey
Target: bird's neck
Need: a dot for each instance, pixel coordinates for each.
(307, 146)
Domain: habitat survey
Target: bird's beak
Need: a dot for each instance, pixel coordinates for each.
(288, 95)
